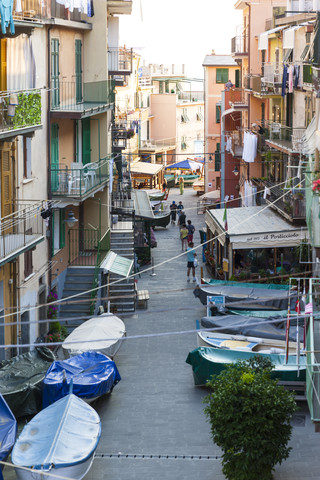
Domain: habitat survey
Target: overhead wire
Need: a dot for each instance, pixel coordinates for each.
(151, 268)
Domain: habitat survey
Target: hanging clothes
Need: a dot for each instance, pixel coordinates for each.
(296, 75)
(290, 78)
(6, 7)
(228, 144)
(90, 8)
(284, 80)
(250, 144)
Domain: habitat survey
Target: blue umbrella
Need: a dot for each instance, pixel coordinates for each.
(185, 165)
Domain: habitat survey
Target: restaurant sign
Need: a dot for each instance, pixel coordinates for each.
(289, 238)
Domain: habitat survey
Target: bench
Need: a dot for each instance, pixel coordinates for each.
(142, 298)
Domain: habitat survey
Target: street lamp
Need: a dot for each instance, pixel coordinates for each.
(235, 171)
(71, 220)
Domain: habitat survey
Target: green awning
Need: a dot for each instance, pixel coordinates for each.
(116, 264)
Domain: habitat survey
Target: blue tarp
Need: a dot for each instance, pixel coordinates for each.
(63, 434)
(8, 429)
(93, 374)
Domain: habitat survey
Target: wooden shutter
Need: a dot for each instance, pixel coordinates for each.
(217, 113)
(62, 230)
(237, 79)
(86, 141)
(54, 157)
(6, 183)
(3, 63)
(78, 70)
(28, 266)
(55, 82)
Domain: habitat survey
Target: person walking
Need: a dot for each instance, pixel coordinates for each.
(182, 218)
(190, 262)
(180, 208)
(191, 231)
(173, 208)
(183, 237)
(181, 185)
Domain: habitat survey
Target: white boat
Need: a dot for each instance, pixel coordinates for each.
(60, 440)
(103, 333)
(243, 343)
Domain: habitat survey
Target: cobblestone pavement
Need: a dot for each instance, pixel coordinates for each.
(153, 426)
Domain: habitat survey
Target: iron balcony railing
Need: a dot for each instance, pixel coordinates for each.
(288, 138)
(19, 110)
(292, 205)
(31, 10)
(77, 181)
(85, 245)
(78, 96)
(239, 44)
(272, 73)
(236, 97)
(119, 60)
(21, 230)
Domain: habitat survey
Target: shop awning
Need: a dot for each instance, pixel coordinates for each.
(255, 227)
(116, 264)
(144, 168)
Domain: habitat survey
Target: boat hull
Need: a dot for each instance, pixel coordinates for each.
(207, 361)
(75, 471)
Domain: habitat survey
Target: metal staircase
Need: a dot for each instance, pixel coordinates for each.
(78, 279)
(122, 243)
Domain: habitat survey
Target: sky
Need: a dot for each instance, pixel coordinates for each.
(180, 31)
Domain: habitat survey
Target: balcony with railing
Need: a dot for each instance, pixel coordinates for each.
(79, 181)
(21, 231)
(236, 98)
(236, 147)
(20, 112)
(119, 7)
(119, 61)
(77, 100)
(284, 138)
(239, 45)
(31, 11)
(291, 205)
(159, 144)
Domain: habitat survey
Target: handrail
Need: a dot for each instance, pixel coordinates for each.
(95, 282)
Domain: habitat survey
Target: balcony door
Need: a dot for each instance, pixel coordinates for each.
(78, 70)
(86, 141)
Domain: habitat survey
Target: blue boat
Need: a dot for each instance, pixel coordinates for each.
(60, 440)
(93, 374)
(8, 430)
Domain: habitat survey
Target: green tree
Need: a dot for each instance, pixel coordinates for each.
(250, 419)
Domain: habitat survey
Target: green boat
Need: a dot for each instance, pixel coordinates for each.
(207, 361)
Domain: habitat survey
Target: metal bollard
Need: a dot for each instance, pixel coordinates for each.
(152, 274)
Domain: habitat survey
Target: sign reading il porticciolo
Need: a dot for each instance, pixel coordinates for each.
(288, 238)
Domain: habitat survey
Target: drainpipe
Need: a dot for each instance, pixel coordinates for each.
(49, 147)
(249, 63)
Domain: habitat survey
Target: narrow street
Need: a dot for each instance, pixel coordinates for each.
(156, 411)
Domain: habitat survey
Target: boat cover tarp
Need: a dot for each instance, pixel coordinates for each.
(93, 374)
(249, 326)
(208, 361)
(8, 429)
(103, 333)
(230, 283)
(63, 434)
(255, 297)
(20, 380)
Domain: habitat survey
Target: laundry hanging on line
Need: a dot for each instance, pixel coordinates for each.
(250, 144)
